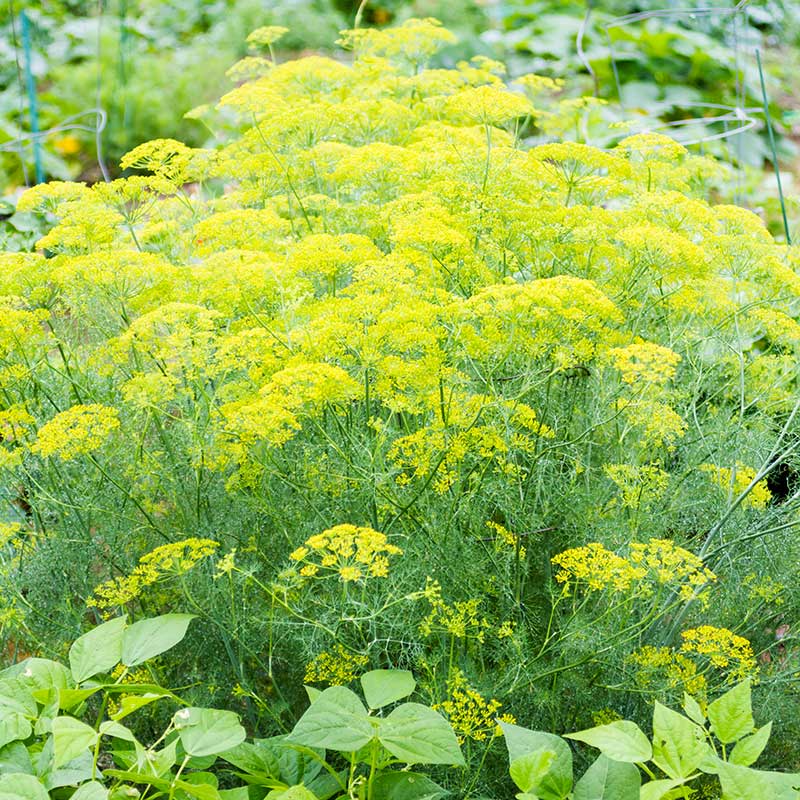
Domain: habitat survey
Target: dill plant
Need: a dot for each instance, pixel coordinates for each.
(510, 417)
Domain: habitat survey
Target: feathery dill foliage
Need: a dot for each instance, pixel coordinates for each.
(395, 361)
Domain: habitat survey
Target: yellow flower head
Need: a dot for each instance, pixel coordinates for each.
(354, 553)
(80, 430)
(168, 560)
(335, 667)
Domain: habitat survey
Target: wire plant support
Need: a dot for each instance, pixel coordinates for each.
(29, 146)
(727, 122)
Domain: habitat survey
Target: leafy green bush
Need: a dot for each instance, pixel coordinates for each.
(48, 750)
(372, 384)
(663, 63)
(62, 735)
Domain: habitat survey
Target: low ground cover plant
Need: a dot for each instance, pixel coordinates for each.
(62, 735)
(374, 384)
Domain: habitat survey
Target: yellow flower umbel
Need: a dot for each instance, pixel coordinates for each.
(723, 649)
(14, 423)
(167, 561)
(663, 666)
(353, 553)
(594, 567)
(649, 566)
(666, 563)
(737, 480)
(336, 667)
(645, 362)
(78, 431)
(469, 712)
(640, 486)
(461, 620)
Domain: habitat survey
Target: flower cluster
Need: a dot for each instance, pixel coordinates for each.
(469, 712)
(737, 481)
(644, 362)
(666, 563)
(353, 553)
(168, 560)
(336, 667)
(638, 486)
(371, 296)
(664, 666)
(80, 430)
(595, 568)
(723, 649)
(460, 620)
(648, 565)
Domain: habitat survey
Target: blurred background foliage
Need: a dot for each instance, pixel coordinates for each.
(647, 64)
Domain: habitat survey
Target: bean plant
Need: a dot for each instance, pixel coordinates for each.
(372, 382)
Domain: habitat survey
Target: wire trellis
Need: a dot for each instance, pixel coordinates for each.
(28, 146)
(729, 121)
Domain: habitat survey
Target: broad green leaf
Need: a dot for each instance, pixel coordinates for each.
(731, 715)
(312, 692)
(99, 650)
(655, 790)
(50, 711)
(71, 698)
(679, 744)
(136, 776)
(296, 763)
(198, 785)
(116, 731)
(417, 734)
(609, 780)
(242, 793)
(74, 773)
(384, 686)
(159, 763)
(693, 709)
(254, 759)
(91, 791)
(406, 786)
(18, 786)
(197, 791)
(297, 792)
(207, 731)
(743, 783)
(710, 764)
(747, 750)
(337, 720)
(530, 770)
(14, 757)
(150, 637)
(13, 727)
(41, 675)
(325, 785)
(133, 702)
(621, 741)
(16, 696)
(557, 784)
(201, 762)
(71, 737)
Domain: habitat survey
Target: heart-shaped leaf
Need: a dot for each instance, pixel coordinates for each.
(208, 731)
(99, 650)
(417, 734)
(620, 740)
(149, 638)
(336, 720)
(384, 686)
